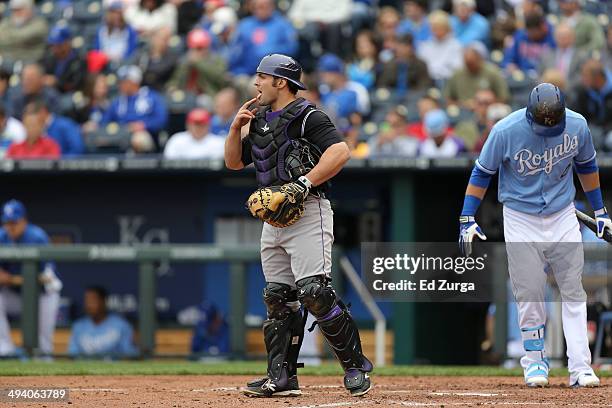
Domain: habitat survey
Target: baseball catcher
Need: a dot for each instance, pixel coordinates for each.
(295, 150)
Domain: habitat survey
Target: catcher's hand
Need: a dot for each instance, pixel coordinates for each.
(280, 206)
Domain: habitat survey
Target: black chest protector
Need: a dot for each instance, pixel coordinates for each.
(279, 157)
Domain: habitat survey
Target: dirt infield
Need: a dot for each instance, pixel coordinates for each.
(319, 392)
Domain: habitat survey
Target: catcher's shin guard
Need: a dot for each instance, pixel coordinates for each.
(283, 336)
(340, 331)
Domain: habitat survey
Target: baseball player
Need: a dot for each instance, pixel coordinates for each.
(534, 149)
(296, 149)
(17, 230)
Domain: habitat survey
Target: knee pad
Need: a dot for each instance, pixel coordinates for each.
(281, 301)
(316, 295)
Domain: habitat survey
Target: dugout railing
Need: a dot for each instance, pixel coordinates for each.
(145, 256)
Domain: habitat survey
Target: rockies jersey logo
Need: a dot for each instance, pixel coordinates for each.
(530, 163)
(265, 128)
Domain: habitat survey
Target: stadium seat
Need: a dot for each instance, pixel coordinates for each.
(112, 138)
(179, 101)
(88, 12)
(595, 7)
(55, 12)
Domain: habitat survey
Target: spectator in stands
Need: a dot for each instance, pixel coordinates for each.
(386, 26)
(323, 21)
(416, 22)
(556, 77)
(211, 333)
(37, 145)
(589, 34)
(115, 37)
(151, 16)
(442, 53)
(608, 49)
(23, 33)
(64, 131)
(405, 72)
(478, 73)
(32, 88)
(138, 107)
(467, 24)
(227, 103)
(5, 77)
(528, 46)
(200, 71)
(157, 61)
(263, 33)
(222, 29)
(471, 129)
(365, 66)
(96, 102)
(425, 104)
(99, 333)
(392, 138)
(197, 142)
(64, 68)
(187, 14)
(594, 96)
(566, 58)
(340, 100)
(11, 131)
(440, 142)
(495, 113)
(207, 10)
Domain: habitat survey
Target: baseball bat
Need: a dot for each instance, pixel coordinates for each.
(592, 225)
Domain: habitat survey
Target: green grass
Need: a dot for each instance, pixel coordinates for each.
(19, 368)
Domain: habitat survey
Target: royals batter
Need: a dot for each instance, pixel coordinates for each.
(535, 150)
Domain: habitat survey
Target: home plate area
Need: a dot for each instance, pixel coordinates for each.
(179, 391)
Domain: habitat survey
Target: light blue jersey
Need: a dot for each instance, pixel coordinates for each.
(535, 172)
(111, 337)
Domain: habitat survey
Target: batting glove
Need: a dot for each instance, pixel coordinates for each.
(602, 219)
(467, 230)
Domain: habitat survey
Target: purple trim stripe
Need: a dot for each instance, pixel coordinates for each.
(336, 311)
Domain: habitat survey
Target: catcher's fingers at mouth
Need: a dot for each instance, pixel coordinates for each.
(248, 103)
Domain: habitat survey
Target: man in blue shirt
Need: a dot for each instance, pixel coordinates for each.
(529, 45)
(339, 101)
(227, 103)
(139, 108)
(16, 230)
(64, 131)
(467, 24)
(100, 334)
(416, 22)
(535, 150)
(265, 32)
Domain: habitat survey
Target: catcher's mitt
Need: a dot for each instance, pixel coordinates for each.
(279, 206)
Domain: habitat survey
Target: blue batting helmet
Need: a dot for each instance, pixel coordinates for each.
(546, 110)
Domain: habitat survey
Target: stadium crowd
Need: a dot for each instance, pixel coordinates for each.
(398, 77)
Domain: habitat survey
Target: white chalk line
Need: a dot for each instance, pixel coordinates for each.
(437, 404)
(99, 389)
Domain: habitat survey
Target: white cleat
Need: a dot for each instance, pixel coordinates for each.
(587, 380)
(537, 381)
(536, 375)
